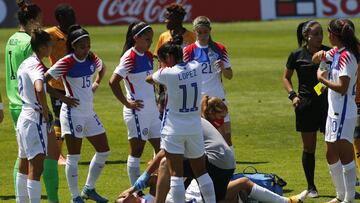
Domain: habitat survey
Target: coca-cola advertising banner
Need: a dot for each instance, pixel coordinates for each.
(97, 12)
(272, 9)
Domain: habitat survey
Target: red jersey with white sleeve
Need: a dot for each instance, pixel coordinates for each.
(134, 67)
(343, 64)
(182, 112)
(30, 70)
(206, 56)
(77, 76)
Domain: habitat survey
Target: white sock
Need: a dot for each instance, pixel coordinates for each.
(264, 195)
(34, 190)
(349, 171)
(177, 189)
(96, 165)
(337, 176)
(21, 188)
(133, 168)
(206, 187)
(71, 171)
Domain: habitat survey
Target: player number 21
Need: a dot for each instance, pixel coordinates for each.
(185, 94)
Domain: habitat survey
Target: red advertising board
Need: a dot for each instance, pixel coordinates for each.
(96, 12)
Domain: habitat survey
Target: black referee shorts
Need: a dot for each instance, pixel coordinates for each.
(311, 114)
(220, 177)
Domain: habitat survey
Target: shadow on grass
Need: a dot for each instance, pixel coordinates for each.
(9, 197)
(287, 191)
(107, 162)
(251, 162)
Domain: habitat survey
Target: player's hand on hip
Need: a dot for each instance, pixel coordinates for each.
(137, 104)
(72, 102)
(94, 87)
(296, 101)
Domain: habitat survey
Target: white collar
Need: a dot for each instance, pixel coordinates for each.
(201, 46)
(78, 60)
(137, 52)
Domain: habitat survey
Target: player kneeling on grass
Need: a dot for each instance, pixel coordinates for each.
(76, 70)
(220, 165)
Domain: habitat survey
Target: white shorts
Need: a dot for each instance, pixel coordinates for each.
(78, 125)
(31, 138)
(191, 146)
(337, 129)
(143, 126)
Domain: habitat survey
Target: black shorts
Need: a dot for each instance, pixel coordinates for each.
(220, 177)
(56, 104)
(311, 114)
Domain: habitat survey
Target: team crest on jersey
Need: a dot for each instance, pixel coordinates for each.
(213, 56)
(92, 68)
(79, 128)
(145, 131)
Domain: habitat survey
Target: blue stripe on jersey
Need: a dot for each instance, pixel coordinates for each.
(164, 119)
(137, 124)
(85, 68)
(335, 62)
(70, 121)
(142, 64)
(41, 136)
(342, 119)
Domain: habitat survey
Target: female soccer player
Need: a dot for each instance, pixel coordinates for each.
(181, 125)
(34, 116)
(17, 49)
(76, 70)
(65, 16)
(310, 109)
(341, 118)
(214, 64)
(140, 112)
(174, 17)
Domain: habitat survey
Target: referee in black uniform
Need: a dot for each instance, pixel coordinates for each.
(310, 109)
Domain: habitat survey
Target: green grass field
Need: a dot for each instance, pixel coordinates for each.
(263, 122)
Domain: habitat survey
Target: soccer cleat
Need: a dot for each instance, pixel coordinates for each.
(335, 200)
(313, 193)
(299, 198)
(93, 195)
(77, 200)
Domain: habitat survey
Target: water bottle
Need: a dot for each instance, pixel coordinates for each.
(323, 65)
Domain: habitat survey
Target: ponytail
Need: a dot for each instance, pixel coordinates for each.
(27, 12)
(39, 38)
(170, 48)
(204, 106)
(344, 30)
(134, 29)
(302, 31)
(212, 105)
